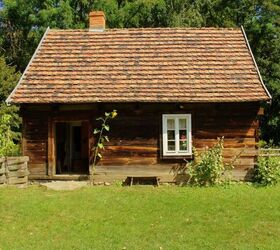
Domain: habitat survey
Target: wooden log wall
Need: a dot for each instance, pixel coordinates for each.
(135, 135)
(35, 141)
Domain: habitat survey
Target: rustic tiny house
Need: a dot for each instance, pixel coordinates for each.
(173, 88)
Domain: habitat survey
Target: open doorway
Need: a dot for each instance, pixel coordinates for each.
(72, 151)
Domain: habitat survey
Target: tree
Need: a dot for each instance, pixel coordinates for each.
(8, 137)
(9, 119)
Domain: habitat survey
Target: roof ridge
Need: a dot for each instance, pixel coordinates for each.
(155, 28)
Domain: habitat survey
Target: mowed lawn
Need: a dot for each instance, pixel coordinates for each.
(141, 217)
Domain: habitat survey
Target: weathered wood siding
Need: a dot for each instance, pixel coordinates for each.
(135, 135)
(35, 141)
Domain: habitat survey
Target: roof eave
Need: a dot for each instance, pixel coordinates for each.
(253, 58)
(143, 101)
(9, 99)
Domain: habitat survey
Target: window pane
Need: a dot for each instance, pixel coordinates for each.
(183, 134)
(183, 145)
(171, 145)
(183, 140)
(171, 134)
(170, 124)
(182, 123)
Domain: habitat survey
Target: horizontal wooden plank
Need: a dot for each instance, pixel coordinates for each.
(35, 161)
(18, 173)
(227, 133)
(128, 160)
(16, 167)
(228, 142)
(269, 150)
(111, 176)
(58, 177)
(233, 152)
(37, 155)
(132, 148)
(17, 180)
(37, 168)
(34, 147)
(16, 160)
(146, 142)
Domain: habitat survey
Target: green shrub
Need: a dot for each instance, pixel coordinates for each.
(8, 138)
(208, 167)
(268, 170)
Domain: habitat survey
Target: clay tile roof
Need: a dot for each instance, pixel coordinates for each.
(141, 65)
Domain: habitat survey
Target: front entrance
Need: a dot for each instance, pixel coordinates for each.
(72, 150)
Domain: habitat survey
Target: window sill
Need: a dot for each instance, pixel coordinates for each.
(177, 157)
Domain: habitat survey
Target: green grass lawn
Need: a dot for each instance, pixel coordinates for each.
(236, 217)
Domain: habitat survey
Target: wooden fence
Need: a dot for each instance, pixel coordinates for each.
(14, 171)
(269, 152)
(2, 171)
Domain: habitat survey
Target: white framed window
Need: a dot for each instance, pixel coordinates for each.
(176, 134)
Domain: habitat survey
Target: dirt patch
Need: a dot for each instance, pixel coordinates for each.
(64, 185)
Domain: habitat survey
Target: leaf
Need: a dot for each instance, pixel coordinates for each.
(99, 155)
(107, 114)
(106, 127)
(106, 138)
(96, 131)
(100, 145)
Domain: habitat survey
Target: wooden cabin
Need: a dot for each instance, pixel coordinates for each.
(173, 88)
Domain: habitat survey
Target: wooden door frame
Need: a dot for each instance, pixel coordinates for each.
(51, 166)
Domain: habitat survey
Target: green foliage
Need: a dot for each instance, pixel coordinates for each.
(102, 138)
(263, 32)
(268, 170)
(9, 119)
(8, 138)
(208, 167)
(8, 79)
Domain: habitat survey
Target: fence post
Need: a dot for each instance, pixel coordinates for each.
(2, 171)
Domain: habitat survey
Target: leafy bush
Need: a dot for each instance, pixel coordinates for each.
(8, 138)
(208, 167)
(268, 170)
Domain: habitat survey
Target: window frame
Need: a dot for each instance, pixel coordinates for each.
(177, 152)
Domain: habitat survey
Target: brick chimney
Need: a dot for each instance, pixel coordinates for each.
(97, 21)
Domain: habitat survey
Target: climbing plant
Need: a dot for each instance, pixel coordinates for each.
(100, 133)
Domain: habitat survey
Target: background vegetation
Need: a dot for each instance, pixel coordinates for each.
(22, 24)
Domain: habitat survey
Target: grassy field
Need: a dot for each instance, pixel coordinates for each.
(236, 217)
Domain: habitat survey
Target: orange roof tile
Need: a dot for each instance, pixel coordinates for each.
(141, 65)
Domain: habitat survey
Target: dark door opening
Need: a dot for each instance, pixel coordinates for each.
(72, 154)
